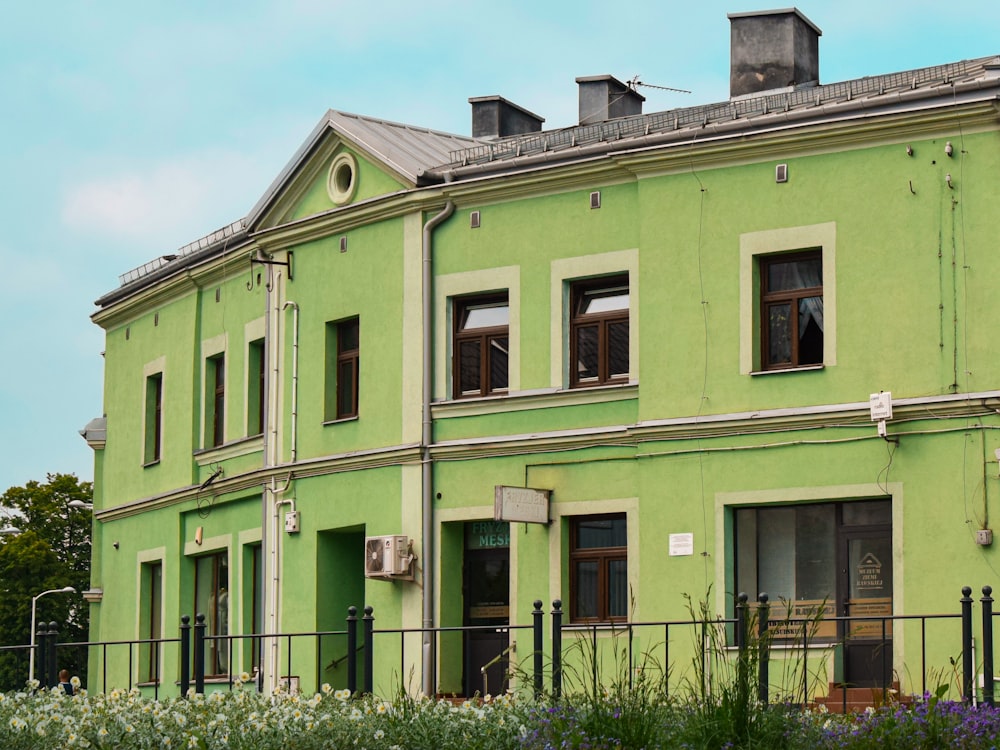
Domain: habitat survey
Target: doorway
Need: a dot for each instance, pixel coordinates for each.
(866, 592)
(486, 595)
(818, 560)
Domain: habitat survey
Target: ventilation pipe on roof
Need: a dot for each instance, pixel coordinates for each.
(426, 438)
(495, 117)
(772, 49)
(605, 98)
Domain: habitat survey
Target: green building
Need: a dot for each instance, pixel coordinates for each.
(744, 346)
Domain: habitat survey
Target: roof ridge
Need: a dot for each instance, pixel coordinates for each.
(765, 102)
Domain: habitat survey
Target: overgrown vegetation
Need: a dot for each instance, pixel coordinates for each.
(608, 700)
(246, 720)
(52, 550)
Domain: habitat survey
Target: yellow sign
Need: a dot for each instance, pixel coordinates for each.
(489, 612)
(880, 607)
(793, 620)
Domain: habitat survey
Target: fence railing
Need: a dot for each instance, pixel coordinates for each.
(749, 640)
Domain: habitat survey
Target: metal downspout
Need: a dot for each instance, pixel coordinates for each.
(295, 376)
(426, 438)
(266, 544)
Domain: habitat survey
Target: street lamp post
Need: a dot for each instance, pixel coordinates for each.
(34, 602)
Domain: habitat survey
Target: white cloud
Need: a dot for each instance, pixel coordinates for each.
(167, 203)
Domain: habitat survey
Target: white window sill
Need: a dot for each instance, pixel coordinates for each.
(541, 398)
(232, 449)
(342, 420)
(806, 368)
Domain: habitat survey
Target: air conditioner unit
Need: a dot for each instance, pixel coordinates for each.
(388, 556)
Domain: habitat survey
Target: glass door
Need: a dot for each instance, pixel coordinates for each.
(486, 585)
(866, 586)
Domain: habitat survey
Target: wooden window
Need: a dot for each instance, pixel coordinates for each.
(255, 388)
(829, 559)
(791, 310)
(154, 418)
(256, 605)
(215, 398)
(598, 568)
(599, 331)
(211, 598)
(480, 350)
(150, 618)
(348, 368)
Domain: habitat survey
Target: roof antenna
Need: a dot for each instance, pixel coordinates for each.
(635, 82)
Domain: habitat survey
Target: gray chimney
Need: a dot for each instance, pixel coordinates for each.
(772, 49)
(605, 97)
(495, 117)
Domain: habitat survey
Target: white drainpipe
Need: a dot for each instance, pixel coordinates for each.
(295, 376)
(426, 438)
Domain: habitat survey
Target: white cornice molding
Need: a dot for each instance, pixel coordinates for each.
(714, 147)
(240, 484)
(849, 415)
(542, 398)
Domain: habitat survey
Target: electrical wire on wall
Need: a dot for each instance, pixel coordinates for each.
(703, 397)
(205, 504)
(882, 478)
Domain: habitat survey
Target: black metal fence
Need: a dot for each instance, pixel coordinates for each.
(746, 640)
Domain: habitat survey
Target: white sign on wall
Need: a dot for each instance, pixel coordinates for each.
(521, 504)
(681, 544)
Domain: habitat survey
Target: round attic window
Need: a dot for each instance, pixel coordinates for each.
(343, 179)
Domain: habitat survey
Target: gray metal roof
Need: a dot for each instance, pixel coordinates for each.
(420, 155)
(407, 149)
(734, 114)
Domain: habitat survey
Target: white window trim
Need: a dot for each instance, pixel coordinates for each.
(724, 562)
(476, 513)
(252, 331)
(566, 270)
(157, 367)
(210, 348)
(558, 565)
(144, 557)
(771, 241)
(246, 538)
(449, 286)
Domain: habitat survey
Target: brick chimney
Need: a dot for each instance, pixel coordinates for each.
(605, 97)
(772, 49)
(495, 117)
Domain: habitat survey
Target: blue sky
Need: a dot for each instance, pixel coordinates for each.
(132, 128)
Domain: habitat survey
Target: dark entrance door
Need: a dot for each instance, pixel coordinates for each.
(866, 592)
(486, 585)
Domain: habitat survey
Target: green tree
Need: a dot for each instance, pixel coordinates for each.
(51, 551)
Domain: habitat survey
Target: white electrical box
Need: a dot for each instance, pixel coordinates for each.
(880, 405)
(292, 522)
(388, 557)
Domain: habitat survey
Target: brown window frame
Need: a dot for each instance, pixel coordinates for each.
(153, 603)
(487, 338)
(352, 359)
(154, 419)
(790, 297)
(216, 422)
(255, 394)
(216, 651)
(604, 556)
(579, 291)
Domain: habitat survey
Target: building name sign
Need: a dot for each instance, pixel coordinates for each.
(487, 535)
(521, 504)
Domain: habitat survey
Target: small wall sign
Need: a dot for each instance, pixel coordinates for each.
(521, 504)
(681, 544)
